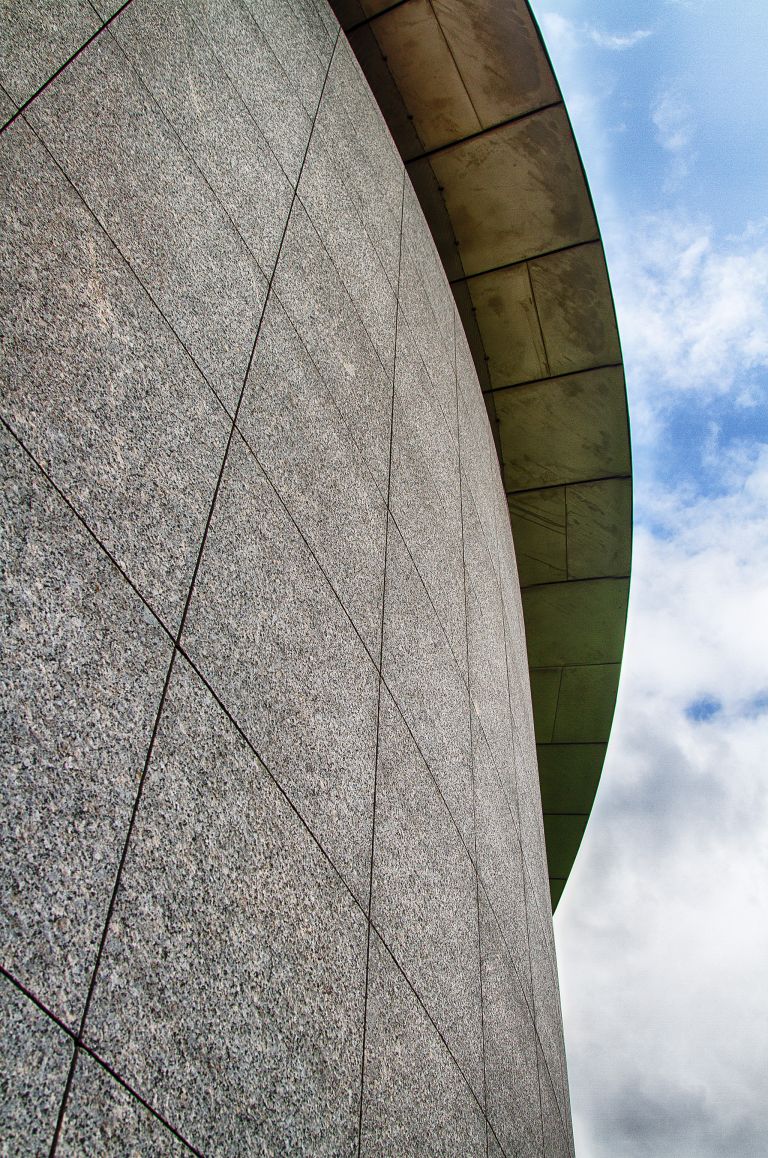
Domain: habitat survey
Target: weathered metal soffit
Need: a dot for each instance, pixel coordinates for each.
(469, 94)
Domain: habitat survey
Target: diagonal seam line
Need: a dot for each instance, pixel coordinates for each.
(381, 684)
(61, 67)
(137, 800)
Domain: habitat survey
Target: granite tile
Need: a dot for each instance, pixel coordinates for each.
(325, 194)
(425, 498)
(84, 664)
(259, 77)
(424, 902)
(486, 644)
(479, 461)
(103, 1117)
(266, 631)
(182, 72)
(425, 681)
(301, 47)
(494, 1149)
(128, 165)
(98, 387)
(367, 155)
(510, 1046)
(324, 15)
(318, 304)
(499, 858)
(7, 107)
(230, 993)
(293, 425)
(427, 302)
(37, 37)
(36, 1056)
(555, 1142)
(415, 1100)
(546, 1005)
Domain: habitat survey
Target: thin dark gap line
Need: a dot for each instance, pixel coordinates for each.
(91, 533)
(64, 1099)
(381, 684)
(336, 594)
(511, 956)
(25, 104)
(458, 73)
(289, 81)
(92, 1053)
(344, 286)
(250, 363)
(550, 377)
(542, 335)
(188, 152)
(488, 131)
(476, 865)
(124, 854)
(574, 582)
(174, 652)
(557, 706)
(429, 1016)
(575, 483)
(529, 257)
(129, 266)
(377, 15)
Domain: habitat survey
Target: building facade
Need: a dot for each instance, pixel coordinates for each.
(274, 870)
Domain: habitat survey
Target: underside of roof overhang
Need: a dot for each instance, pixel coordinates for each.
(469, 94)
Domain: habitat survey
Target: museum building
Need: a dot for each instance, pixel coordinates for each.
(316, 553)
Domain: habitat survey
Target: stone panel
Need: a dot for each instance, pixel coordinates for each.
(103, 1117)
(180, 69)
(267, 632)
(293, 425)
(98, 387)
(84, 664)
(35, 1055)
(424, 902)
(37, 38)
(425, 681)
(415, 1100)
(230, 994)
(164, 218)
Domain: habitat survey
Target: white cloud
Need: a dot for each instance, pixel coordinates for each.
(663, 930)
(671, 115)
(617, 43)
(693, 312)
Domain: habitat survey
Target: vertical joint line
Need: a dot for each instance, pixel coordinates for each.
(381, 662)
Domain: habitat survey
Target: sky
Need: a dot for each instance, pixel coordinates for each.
(662, 932)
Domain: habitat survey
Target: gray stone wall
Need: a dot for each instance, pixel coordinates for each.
(273, 871)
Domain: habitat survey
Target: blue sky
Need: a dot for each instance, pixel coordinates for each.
(663, 929)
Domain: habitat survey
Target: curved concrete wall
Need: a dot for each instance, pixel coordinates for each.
(272, 852)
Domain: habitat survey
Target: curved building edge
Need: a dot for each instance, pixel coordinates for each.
(471, 99)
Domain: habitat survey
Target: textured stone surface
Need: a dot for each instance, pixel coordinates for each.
(35, 1055)
(291, 783)
(164, 218)
(510, 1045)
(38, 37)
(259, 77)
(179, 67)
(415, 1100)
(326, 194)
(269, 635)
(231, 990)
(84, 664)
(422, 674)
(97, 386)
(294, 427)
(424, 893)
(103, 1117)
(499, 857)
(315, 298)
(424, 489)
